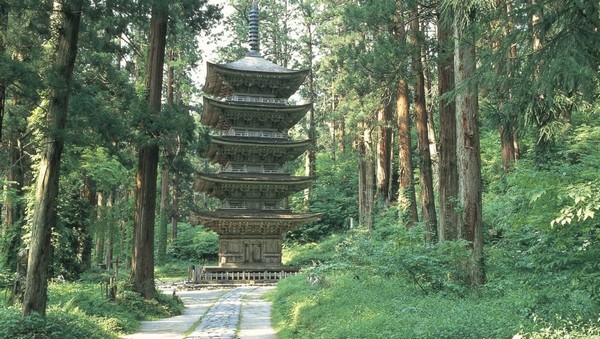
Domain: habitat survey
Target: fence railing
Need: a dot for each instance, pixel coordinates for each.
(240, 275)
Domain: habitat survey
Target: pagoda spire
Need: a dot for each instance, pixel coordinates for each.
(253, 38)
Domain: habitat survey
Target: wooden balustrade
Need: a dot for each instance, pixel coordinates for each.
(240, 275)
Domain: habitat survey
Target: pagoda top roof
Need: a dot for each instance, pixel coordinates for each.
(253, 75)
(254, 62)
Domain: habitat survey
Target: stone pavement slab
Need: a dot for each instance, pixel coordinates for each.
(196, 305)
(237, 313)
(255, 322)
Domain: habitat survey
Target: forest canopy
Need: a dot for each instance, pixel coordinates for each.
(473, 124)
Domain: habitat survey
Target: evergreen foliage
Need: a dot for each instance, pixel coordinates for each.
(537, 78)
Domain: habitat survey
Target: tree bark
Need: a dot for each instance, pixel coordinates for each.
(384, 150)
(447, 226)
(468, 147)
(369, 178)
(311, 160)
(426, 175)
(100, 231)
(175, 207)
(161, 253)
(406, 193)
(44, 215)
(15, 210)
(108, 252)
(86, 252)
(142, 275)
(3, 32)
(365, 178)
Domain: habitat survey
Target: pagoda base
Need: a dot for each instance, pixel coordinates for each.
(241, 275)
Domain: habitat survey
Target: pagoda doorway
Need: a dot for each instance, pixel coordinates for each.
(253, 253)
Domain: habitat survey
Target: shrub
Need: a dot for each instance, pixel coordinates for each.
(194, 244)
(57, 324)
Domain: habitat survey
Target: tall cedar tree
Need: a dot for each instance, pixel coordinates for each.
(384, 149)
(448, 217)
(3, 31)
(406, 191)
(508, 129)
(44, 215)
(142, 265)
(310, 168)
(161, 251)
(366, 176)
(468, 146)
(426, 173)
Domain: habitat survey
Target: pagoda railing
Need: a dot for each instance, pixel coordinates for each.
(258, 100)
(207, 275)
(258, 205)
(251, 169)
(257, 134)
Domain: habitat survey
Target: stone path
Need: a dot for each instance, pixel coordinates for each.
(220, 313)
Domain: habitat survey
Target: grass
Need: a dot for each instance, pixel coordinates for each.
(172, 271)
(346, 305)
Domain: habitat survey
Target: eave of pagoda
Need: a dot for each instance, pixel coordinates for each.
(254, 186)
(222, 115)
(252, 75)
(241, 222)
(254, 151)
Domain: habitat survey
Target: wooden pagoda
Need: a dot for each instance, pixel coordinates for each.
(246, 104)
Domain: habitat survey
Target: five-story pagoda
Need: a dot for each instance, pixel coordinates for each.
(249, 110)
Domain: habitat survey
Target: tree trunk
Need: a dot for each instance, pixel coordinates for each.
(86, 252)
(142, 275)
(44, 215)
(406, 193)
(538, 34)
(15, 256)
(507, 141)
(468, 148)
(508, 131)
(433, 151)
(161, 253)
(311, 159)
(426, 175)
(3, 34)
(365, 178)
(361, 187)
(384, 150)
(175, 207)
(341, 134)
(447, 226)
(15, 210)
(100, 231)
(369, 178)
(9, 258)
(110, 220)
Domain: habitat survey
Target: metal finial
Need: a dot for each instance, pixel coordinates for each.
(253, 31)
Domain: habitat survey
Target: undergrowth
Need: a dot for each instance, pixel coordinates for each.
(391, 284)
(81, 310)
